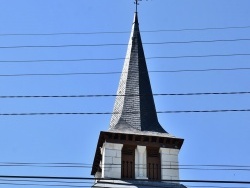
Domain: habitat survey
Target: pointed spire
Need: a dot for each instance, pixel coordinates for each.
(134, 108)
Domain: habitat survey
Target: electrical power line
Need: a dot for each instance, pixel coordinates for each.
(45, 185)
(90, 164)
(167, 167)
(117, 44)
(108, 95)
(109, 113)
(121, 58)
(124, 32)
(114, 183)
(136, 180)
(34, 182)
(141, 184)
(169, 181)
(46, 181)
(77, 183)
(117, 72)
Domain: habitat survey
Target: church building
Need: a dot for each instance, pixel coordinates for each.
(136, 151)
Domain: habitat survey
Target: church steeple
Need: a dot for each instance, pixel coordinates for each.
(134, 108)
(135, 145)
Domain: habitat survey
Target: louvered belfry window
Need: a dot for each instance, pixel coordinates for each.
(128, 162)
(153, 164)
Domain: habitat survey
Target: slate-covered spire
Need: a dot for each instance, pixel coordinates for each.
(134, 109)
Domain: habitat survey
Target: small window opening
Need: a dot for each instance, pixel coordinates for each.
(153, 164)
(128, 162)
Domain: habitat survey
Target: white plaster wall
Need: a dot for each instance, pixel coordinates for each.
(169, 164)
(111, 160)
(140, 162)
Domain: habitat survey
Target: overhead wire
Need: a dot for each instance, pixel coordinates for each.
(124, 32)
(103, 181)
(121, 58)
(113, 183)
(58, 179)
(87, 164)
(110, 113)
(117, 72)
(115, 95)
(172, 167)
(45, 185)
(46, 181)
(117, 44)
(135, 180)
(160, 186)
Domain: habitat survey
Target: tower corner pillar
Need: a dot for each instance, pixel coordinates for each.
(169, 164)
(140, 162)
(111, 160)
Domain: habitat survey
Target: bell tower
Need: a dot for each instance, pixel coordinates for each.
(136, 148)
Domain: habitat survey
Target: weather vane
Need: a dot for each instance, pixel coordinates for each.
(136, 4)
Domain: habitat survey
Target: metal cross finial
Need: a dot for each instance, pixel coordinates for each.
(136, 4)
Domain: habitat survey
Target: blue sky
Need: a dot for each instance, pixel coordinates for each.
(210, 138)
